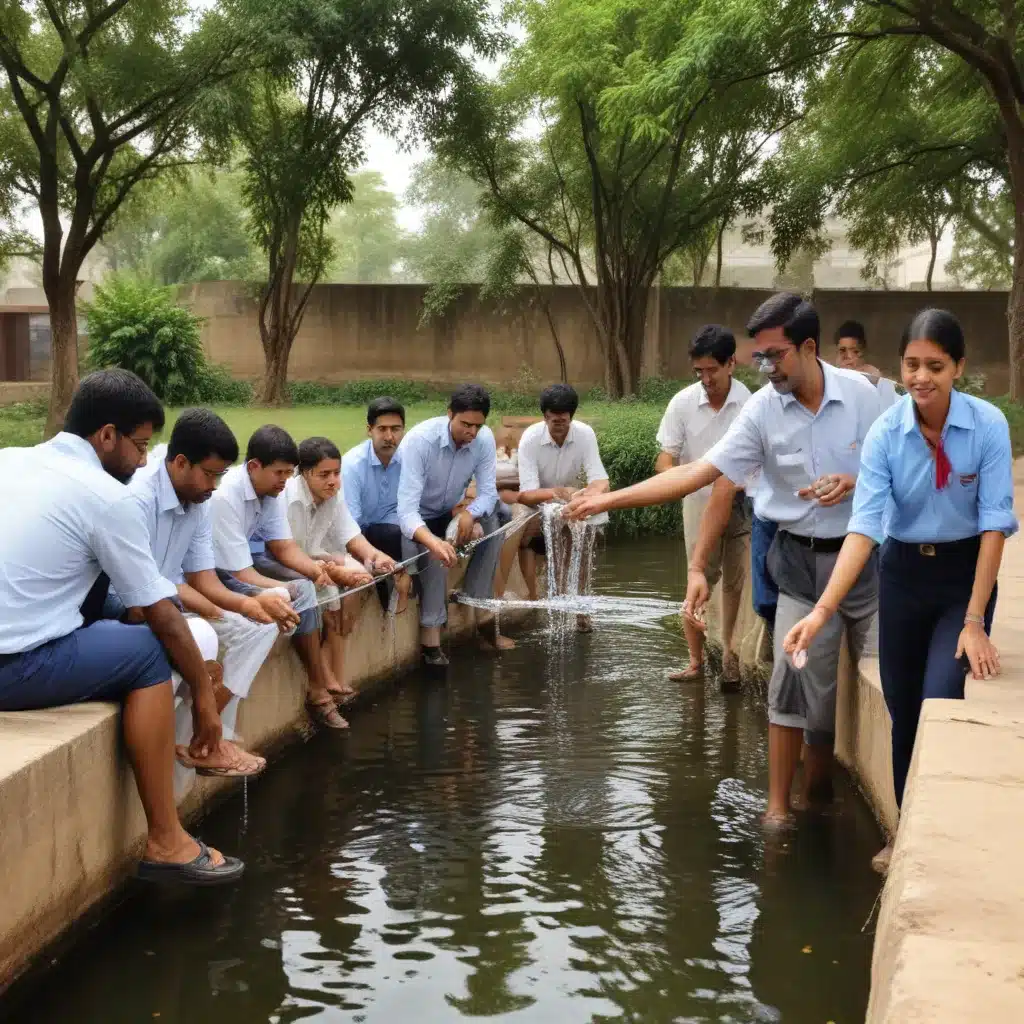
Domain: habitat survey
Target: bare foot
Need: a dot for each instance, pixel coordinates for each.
(881, 860)
(584, 624)
(504, 643)
(777, 821)
(693, 673)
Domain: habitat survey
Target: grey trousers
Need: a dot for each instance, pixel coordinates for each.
(305, 603)
(432, 576)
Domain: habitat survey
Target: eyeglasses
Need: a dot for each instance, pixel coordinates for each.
(774, 355)
(142, 447)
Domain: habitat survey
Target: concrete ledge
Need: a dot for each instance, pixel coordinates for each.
(72, 820)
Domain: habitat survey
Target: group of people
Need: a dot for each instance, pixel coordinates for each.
(162, 578)
(877, 517)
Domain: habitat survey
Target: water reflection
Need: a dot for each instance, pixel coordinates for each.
(562, 835)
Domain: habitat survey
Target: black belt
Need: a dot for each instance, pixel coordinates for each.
(826, 545)
(6, 659)
(967, 546)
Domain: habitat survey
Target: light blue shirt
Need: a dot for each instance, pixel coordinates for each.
(435, 474)
(793, 447)
(180, 536)
(371, 488)
(71, 521)
(237, 516)
(897, 476)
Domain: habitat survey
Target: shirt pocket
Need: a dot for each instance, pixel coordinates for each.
(793, 469)
(844, 458)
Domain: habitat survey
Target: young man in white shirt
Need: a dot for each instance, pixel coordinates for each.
(696, 419)
(557, 458)
(248, 508)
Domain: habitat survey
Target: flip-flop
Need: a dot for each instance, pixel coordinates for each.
(233, 770)
(200, 871)
(690, 674)
(326, 713)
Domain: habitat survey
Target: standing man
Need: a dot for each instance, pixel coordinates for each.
(370, 474)
(556, 458)
(439, 458)
(805, 434)
(696, 419)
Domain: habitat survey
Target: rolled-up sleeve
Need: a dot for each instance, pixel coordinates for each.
(874, 484)
(995, 480)
(741, 452)
(120, 541)
(351, 484)
(199, 555)
(671, 434)
(485, 470)
(273, 523)
(230, 544)
(593, 467)
(344, 527)
(410, 485)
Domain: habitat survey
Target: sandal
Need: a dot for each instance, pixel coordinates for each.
(235, 763)
(326, 713)
(199, 871)
(690, 674)
(344, 695)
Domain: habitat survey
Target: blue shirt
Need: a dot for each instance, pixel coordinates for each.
(180, 536)
(793, 447)
(435, 474)
(897, 476)
(238, 516)
(71, 521)
(370, 487)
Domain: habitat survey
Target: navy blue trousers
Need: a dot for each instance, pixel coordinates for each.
(765, 593)
(922, 601)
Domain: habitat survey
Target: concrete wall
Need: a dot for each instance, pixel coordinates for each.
(353, 331)
(22, 391)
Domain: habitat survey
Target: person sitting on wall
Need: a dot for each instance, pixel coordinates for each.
(172, 493)
(74, 531)
(370, 473)
(439, 458)
(323, 527)
(249, 507)
(851, 341)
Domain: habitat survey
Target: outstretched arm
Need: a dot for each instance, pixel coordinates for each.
(672, 485)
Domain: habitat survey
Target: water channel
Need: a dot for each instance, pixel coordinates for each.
(561, 835)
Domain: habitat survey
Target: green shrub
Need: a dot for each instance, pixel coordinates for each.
(972, 384)
(356, 392)
(522, 396)
(138, 326)
(216, 386)
(21, 424)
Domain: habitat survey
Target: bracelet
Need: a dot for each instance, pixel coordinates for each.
(975, 620)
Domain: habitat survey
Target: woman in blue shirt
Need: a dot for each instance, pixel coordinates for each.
(937, 470)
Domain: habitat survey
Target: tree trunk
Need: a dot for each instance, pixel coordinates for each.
(718, 252)
(273, 390)
(1015, 307)
(931, 263)
(60, 297)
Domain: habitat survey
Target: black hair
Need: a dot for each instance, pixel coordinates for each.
(559, 398)
(384, 406)
(852, 329)
(314, 450)
(470, 398)
(115, 396)
(938, 326)
(272, 444)
(795, 315)
(715, 341)
(200, 433)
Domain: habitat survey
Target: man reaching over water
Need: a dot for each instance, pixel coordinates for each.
(804, 433)
(74, 530)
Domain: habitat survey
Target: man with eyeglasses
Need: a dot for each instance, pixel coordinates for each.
(804, 433)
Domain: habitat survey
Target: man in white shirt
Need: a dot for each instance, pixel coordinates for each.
(248, 509)
(696, 419)
(557, 458)
(74, 525)
(805, 434)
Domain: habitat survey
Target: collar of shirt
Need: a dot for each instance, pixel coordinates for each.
(298, 490)
(831, 393)
(248, 491)
(569, 439)
(75, 447)
(959, 415)
(732, 398)
(167, 497)
(374, 458)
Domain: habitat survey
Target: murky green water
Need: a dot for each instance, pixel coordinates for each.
(545, 838)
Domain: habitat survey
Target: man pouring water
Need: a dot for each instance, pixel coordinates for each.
(804, 433)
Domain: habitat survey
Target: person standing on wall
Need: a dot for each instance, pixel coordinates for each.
(804, 433)
(941, 462)
(696, 419)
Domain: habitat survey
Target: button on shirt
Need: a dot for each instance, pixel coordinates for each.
(793, 447)
(71, 521)
(180, 536)
(371, 488)
(324, 529)
(236, 515)
(544, 464)
(897, 476)
(435, 474)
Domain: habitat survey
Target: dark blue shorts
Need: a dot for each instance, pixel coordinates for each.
(104, 661)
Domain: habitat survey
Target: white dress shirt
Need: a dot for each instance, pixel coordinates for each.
(577, 461)
(236, 515)
(793, 447)
(70, 522)
(324, 529)
(180, 536)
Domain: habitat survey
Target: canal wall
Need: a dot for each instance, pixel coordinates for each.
(71, 824)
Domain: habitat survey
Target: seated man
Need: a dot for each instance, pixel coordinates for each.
(555, 457)
(248, 506)
(325, 530)
(370, 473)
(172, 492)
(439, 458)
(73, 530)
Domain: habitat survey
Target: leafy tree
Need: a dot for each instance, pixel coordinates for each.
(98, 97)
(983, 244)
(365, 234)
(336, 66)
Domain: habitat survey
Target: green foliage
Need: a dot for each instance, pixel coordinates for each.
(216, 386)
(983, 243)
(972, 384)
(21, 424)
(138, 326)
(366, 237)
(357, 392)
(521, 397)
